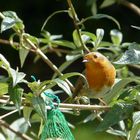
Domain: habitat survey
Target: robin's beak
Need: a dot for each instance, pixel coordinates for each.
(85, 61)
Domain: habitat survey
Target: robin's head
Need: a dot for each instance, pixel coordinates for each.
(94, 57)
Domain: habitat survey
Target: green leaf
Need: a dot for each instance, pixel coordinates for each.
(11, 20)
(4, 62)
(107, 3)
(62, 84)
(94, 7)
(91, 35)
(17, 77)
(118, 87)
(22, 55)
(101, 16)
(3, 88)
(116, 36)
(64, 43)
(16, 95)
(40, 107)
(131, 56)
(18, 125)
(10, 14)
(27, 113)
(118, 112)
(76, 38)
(136, 126)
(7, 23)
(99, 34)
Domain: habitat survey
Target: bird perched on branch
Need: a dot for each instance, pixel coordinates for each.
(100, 75)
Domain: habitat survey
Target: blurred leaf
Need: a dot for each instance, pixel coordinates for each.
(64, 43)
(22, 55)
(94, 7)
(18, 125)
(116, 36)
(131, 56)
(117, 113)
(107, 3)
(62, 84)
(119, 86)
(3, 88)
(100, 16)
(40, 107)
(136, 126)
(76, 38)
(16, 95)
(27, 113)
(116, 132)
(2, 136)
(34, 86)
(17, 77)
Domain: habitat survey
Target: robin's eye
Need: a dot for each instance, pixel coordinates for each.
(95, 56)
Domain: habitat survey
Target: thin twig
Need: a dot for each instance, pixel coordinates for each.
(10, 113)
(21, 135)
(71, 106)
(76, 21)
(130, 5)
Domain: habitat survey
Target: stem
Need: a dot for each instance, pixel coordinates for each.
(76, 21)
(130, 5)
(22, 136)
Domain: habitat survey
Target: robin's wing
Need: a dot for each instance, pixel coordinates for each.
(79, 85)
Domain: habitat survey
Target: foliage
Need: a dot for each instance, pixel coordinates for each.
(124, 99)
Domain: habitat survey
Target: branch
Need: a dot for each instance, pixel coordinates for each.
(22, 136)
(130, 5)
(66, 106)
(76, 21)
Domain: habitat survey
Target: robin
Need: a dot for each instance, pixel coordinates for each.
(100, 75)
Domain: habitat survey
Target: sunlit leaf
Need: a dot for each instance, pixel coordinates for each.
(91, 35)
(107, 3)
(118, 112)
(131, 56)
(17, 77)
(64, 43)
(116, 36)
(4, 61)
(3, 88)
(99, 34)
(11, 20)
(64, 85)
